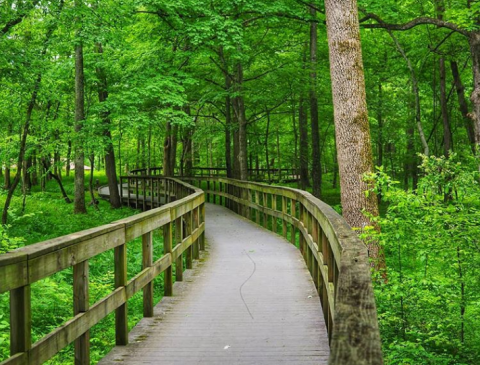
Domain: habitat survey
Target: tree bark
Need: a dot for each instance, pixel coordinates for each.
(463, 104)
(48, 170)
(21, 154)
(447, 133)
(316, 158)
(239, 108)
(302, 126)
(79, 198)
(351, 118)
(110, 164)
(170, 149)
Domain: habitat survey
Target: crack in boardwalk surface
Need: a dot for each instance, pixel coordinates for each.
(205, 322)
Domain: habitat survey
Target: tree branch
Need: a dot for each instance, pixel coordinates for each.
(409, 25)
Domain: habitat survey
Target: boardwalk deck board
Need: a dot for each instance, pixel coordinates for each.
(278, 321)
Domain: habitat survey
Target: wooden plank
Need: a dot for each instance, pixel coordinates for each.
(81, 305)
(145, 222)
(57, 340)
(80, 250)
(18, 359)
(147, 261)
(20, 320)
(121, 313)
(167, 249)
(13, 271)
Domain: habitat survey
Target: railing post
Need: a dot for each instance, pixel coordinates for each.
(301, 240)
(144, 192)
(274, 208)
(178, 239)
(293, 214)
(20, 320)
(257, 212)
(315, 262)
(284, 211)
(81, 305)
(147, 261)
(121, 321)
(265, 205)
(195, 244)
(136, 192)
(202, 220)
(167, 249)
(188, 232)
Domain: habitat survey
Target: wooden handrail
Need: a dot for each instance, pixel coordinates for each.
(335, 256)
(23, 267)
(222, 172)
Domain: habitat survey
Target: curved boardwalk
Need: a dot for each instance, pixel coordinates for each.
(251, 300)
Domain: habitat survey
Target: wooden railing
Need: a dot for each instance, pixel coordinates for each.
(336, 258)
(149, 191)
(260, 174)
(182, 223)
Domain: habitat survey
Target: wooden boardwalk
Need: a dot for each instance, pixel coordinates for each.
(250, 300)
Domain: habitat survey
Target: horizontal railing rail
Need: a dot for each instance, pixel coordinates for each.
(335, 256)
(182, 222)
(255, 174)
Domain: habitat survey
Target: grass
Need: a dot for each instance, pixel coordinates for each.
(47, 216)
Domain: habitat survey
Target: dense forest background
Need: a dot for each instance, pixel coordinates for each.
(246, 84)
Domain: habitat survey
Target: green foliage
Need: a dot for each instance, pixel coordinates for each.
(429, 308)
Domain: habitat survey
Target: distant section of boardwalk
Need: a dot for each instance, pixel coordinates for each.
(251, 300)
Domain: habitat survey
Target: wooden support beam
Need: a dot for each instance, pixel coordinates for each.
(20, 320)
(121, 313)
(147, 261)
(178, 239)
(167, 248)
(81, 305)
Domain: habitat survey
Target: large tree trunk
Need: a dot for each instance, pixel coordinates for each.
(316, 158)
(351, 118)
(79, 198)
(110, 165)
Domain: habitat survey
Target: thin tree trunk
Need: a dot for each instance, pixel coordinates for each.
(239, 107)
(316, 158)
(462, 102)
(302, 126)
(93, 201)
(69, 156)
(380, 125)
(79, 198)
(416, 94)
(110, 164)
(170, 149)
(447, 134)
(21, 154)
(46, 166)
